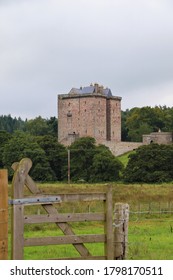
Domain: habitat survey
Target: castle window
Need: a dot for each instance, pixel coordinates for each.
(69, 114)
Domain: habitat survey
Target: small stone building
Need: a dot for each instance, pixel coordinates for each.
(89, 111)
(158, 137)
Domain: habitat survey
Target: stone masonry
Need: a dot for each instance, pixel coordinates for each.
(94, 111)
(89, 111)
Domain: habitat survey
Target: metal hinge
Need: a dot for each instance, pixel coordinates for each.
(35, 200)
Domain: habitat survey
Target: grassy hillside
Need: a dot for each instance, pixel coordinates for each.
(124, 158)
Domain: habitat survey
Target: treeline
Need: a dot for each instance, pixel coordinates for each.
(135, 123)
(139, 121)
(88, 162)
(37, 140)
(38, 126)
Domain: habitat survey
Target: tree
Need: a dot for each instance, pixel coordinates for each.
(93, 163)
(37, 126)
(139, 121)
(40, 126)
(23, 145)
(56, 154)
(52, 126)
(81, 153)
(151, 163)
(124, 129)
(9, 124)
(4, 138)
(106, 167)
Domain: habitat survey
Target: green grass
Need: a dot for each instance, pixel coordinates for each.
(147, 240)
(151, 240)
(63, 251)
(150, 234)
(125, 158)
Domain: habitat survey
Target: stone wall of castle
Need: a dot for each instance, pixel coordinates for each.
(88, 115)
(93, 111)
(119, 148)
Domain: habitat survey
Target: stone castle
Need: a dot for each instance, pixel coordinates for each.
(94, 111)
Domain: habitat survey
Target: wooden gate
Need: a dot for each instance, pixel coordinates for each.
(18, 202)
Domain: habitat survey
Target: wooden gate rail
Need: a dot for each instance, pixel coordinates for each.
(22, 178)
(75, 217)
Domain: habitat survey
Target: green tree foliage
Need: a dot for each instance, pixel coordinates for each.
(4, 137)
(52, 126)
(124, 129)
(106, 167)
(93, 163)
(23, 145)
(56, 154)
(9, 124)
(139, 121)
(40, 126)
(151, 163)
(37, 126)
(81, 154)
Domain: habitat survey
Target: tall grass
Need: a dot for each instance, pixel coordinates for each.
(150, 233)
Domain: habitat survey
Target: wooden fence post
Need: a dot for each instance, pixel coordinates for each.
(108, 226)
(121, 218)
(18, 182)
(3, 214)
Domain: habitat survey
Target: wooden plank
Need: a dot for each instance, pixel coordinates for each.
(70, 239)
(50, 209)
(17, 210)
(3, 214)
(109, 249)
(74, 217)
(67, 230)
(71, 197)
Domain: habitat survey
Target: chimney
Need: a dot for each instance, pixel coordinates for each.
(96, 87)
(101, 88)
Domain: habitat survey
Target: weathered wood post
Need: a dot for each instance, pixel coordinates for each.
(109, 225)
(3, 214)
(18, 183)
(121, 218)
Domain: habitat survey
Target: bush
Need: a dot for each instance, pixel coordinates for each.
(151, 163)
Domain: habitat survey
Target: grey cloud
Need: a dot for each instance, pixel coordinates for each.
(47, 47)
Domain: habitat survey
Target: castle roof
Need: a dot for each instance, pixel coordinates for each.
(92, 89)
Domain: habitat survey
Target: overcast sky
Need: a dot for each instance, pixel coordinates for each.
(49, 46)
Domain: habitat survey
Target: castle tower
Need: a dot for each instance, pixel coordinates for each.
(89, 111)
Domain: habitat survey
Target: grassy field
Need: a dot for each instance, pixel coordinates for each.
(150, 226)
(125, 158)
(148, 239)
